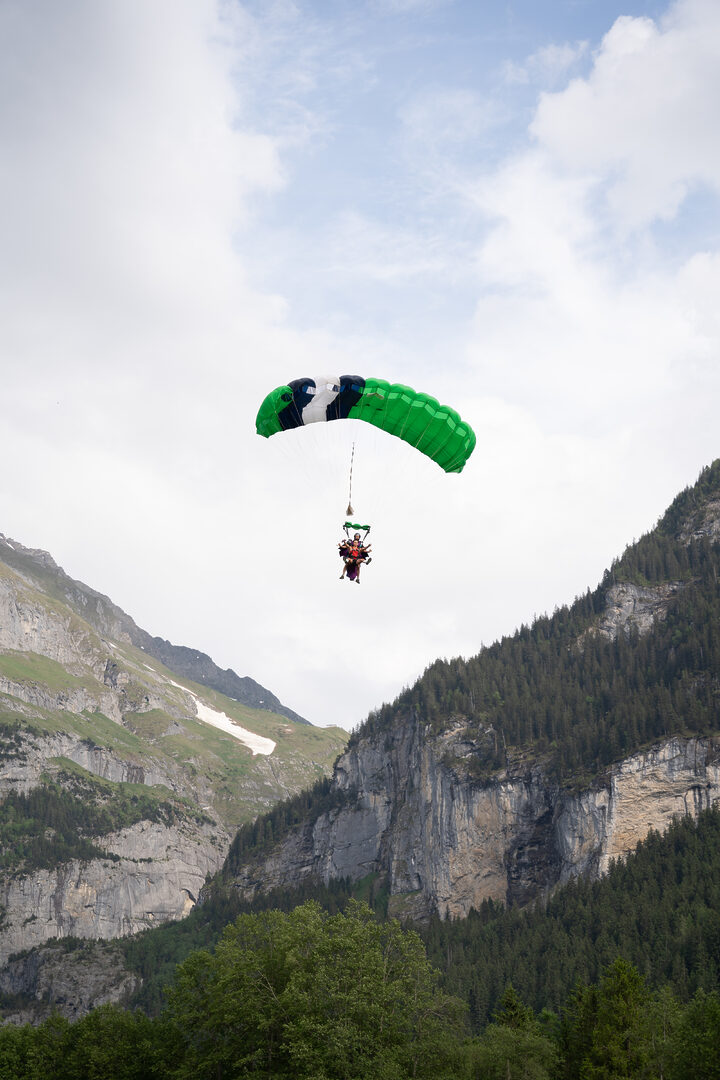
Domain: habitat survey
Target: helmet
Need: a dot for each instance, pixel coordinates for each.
(356, 536)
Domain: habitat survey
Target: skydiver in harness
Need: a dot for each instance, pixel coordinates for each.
(354, 553)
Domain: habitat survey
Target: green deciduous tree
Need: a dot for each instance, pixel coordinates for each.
(107, 1044)
(312, 995)
(34, 1053)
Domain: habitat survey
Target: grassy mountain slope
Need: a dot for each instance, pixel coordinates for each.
(83, 678)
(167, 738)
(40, 568)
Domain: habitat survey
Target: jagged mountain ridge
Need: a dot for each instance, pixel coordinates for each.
(108, 618)
(121, 780)
(541, 759)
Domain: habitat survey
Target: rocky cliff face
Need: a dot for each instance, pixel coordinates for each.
(634, 607)
(156, 875)
(703, 522)
(51, 980)
(447, 842)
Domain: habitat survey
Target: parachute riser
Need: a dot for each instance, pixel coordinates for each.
(350, 510)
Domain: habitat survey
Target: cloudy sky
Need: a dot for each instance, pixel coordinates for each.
(512, 205)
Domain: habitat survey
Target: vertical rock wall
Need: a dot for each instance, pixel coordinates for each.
(447, 842)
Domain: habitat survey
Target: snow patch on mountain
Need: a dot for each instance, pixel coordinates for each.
(257, 743)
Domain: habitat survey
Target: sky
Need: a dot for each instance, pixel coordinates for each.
(513, 206)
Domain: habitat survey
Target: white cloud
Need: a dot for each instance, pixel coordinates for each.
(367, 249)
(439, 117)
(571, 319)
(548, 65)
(405, 7)
(129, 175)
(644, 122)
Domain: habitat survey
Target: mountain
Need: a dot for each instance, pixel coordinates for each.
(126, 763)
(107, 618)
(539, 760)
(516, 776)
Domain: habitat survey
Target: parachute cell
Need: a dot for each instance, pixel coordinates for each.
(435, 430)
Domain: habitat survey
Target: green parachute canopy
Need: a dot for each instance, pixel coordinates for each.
(435, 430)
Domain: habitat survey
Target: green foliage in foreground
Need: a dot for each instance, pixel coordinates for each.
(315, 995)
(310, 996)
(108, 1044)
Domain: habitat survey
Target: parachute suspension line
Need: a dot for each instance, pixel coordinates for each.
(424, 432)
(350, 510)
(386, 393)
(401, 432)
